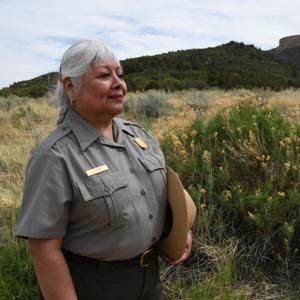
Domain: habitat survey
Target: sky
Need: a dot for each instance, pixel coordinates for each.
(34, 34)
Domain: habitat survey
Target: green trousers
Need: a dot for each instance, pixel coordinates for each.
(94, 281)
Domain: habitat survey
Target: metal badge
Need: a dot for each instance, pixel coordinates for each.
(97, 170)
(141, 143)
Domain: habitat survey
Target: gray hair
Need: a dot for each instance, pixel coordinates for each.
(75, 62)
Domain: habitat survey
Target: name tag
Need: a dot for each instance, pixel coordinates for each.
(97, 170)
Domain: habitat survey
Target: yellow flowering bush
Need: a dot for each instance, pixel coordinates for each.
(246, 158)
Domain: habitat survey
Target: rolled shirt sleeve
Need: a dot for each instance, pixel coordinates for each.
(47, 194)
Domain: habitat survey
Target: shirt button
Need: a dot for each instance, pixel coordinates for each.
(131, 170)
(160, 162)
(106, 188)
(150, 217)
(143, 193)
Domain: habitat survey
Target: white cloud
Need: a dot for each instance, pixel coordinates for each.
(35, 33)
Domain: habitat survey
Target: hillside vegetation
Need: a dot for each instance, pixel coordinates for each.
(232, 65)
(237, 153)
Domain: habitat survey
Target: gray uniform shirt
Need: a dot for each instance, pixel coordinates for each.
(107, 199)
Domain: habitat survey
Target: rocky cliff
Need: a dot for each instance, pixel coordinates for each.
(289, 42)
(288, 50)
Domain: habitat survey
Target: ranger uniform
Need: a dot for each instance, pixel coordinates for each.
(107, 199)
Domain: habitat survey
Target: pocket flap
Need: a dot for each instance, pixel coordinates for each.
(151, 164)
(99, 186)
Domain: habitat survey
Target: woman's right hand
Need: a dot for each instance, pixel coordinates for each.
(186, 252)
(51, 269)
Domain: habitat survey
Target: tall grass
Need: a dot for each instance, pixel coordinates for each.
(240, 163)
(17, 280)
(242, 168)
(24, 123)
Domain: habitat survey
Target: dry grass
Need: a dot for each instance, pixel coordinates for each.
(208, 103)
(289, 102)
(21, 130)
(20, 133)
(173, 124)
(214, 265)
(216, 271)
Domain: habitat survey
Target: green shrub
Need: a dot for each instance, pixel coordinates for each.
(24, 116)
(6, 104)
(198, 101)
(152, 104)
(36, 91)
(3, 165)
(245, 162)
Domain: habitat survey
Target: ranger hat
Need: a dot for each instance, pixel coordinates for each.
(183, 215)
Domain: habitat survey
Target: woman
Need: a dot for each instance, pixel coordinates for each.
(94, 199)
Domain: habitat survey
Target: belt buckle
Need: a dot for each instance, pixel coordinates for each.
(142, 263)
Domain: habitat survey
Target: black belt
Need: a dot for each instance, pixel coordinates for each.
(143, 260)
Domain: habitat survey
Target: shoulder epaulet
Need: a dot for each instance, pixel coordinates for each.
(125, 122)
(53, 138)
(129, 127)
(136, 131)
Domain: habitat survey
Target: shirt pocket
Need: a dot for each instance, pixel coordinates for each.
(99, 193)
(157, 175)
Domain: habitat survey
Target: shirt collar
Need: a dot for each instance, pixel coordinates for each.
(86, 134)
(83, 131)
(120, 123)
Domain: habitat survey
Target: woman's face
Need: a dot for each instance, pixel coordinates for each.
(101, 90)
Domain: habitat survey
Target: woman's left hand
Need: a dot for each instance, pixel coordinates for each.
(185, 255)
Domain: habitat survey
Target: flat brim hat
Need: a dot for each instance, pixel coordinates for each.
(183, 215)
